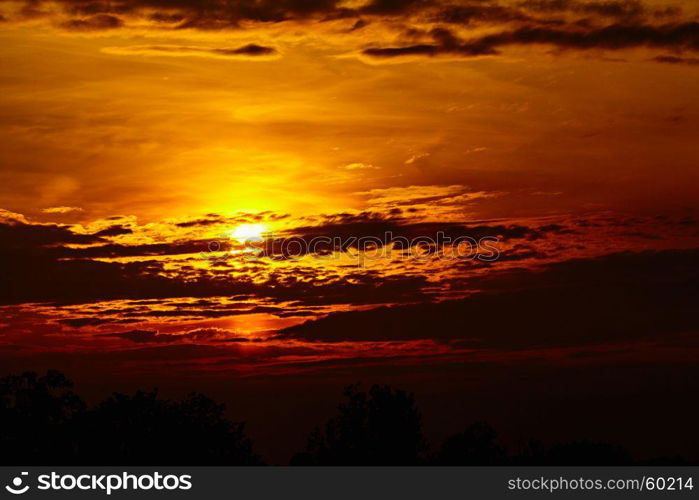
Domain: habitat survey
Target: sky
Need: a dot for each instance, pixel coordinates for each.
(168, 168)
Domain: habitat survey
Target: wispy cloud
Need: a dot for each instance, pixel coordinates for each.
(61, 210)
(249, 51)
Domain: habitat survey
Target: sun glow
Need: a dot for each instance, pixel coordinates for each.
(249, 232)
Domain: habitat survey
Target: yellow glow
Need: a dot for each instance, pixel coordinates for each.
(249, 232)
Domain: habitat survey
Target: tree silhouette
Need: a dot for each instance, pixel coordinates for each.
(37, 418)
(142, 429)
(477, 445)
(378, 427)
(43, 421)
(587, 453)
(572, 453)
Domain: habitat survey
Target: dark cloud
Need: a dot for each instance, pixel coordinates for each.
(356, 288)
(153, 337)
(139, 336)
(200, 222)
(210, 15)
(35, 266)
(18, 236)
(98, 22)
(618, 298)
(342, 232)
(446, 43)
(609, 8)
(116, 230)
(234, 14)
(161, 17)
(683, 36)
(202, 313)
(359, 24)
(76, 281)
(616, 9)
(40, 264)
(565, 24)
(113, 250)
(692, 61)
(84, 321)
(478, 13)
(615, 36)
(394, 7)
(249, 50)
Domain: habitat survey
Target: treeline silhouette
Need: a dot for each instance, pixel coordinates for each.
(42, 421)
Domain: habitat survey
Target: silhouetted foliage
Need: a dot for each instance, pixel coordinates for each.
(586, 453)
(142, 429)
(43, 422)
(37, 417)
(572, 453)
(477, 445)
(378, 427)
(533, 453)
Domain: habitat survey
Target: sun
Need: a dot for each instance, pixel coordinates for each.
(249, 232)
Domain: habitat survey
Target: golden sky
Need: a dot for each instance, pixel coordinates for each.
(110, 111)
(246, 198)
(139, 135)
